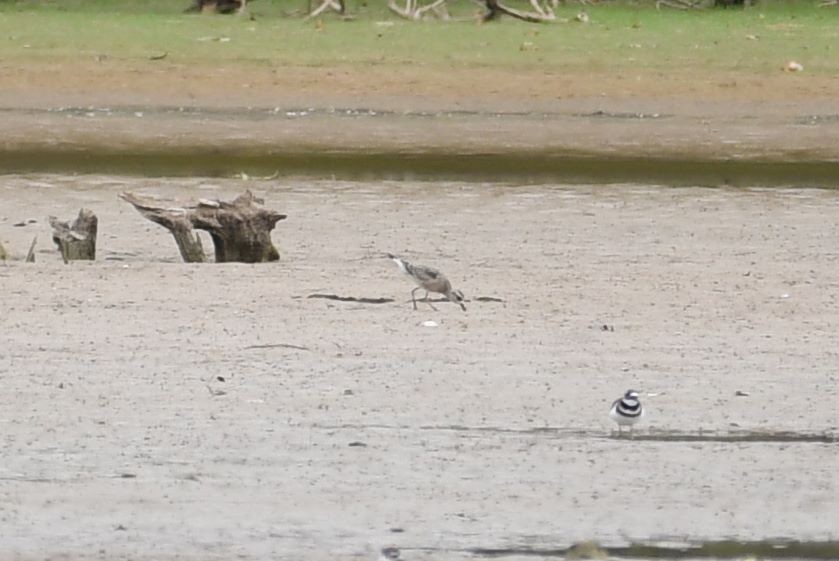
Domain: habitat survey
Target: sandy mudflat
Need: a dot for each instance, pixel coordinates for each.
(140, 107)
(489, 430)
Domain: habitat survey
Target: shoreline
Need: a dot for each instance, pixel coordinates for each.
(602, 141)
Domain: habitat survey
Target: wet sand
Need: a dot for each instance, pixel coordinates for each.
(341, 423)
(595, 141)
(144, 117)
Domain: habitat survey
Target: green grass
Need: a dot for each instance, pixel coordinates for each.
(619, 36)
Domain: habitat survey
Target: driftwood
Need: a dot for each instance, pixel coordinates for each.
(240, 229)
(176, 221)
(336, 5)
(77, 241)
(414, 11)
(541, 12)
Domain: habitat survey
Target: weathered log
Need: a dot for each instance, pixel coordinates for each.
(176, 221)
(76, 241)
(336, 5)
(240, 229)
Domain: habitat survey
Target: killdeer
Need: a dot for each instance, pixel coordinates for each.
(627, 411)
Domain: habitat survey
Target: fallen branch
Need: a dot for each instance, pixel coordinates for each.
(407, 12)
(539, 15)
(336, 5)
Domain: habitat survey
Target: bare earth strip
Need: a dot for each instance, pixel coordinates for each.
(339, 423)
(779, 116)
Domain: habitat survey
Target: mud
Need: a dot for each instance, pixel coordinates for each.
(154, 410)
(605, 141)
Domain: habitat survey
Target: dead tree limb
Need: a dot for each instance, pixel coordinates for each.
(77, 241)
(408, 12)
(175, 220)
(336, 5)
(438, 7)
(414, 11)
(240, 229)
(541, 14)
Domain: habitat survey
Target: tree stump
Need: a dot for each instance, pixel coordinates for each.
(240, 229)
(76, 242)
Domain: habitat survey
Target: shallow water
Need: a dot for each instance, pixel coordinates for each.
(571, 146)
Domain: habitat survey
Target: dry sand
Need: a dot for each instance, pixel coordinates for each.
(488, 430)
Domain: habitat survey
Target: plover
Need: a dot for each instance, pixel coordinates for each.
(390, 554)
(431, 280)
(627, 411)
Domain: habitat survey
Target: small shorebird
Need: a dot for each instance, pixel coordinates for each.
(431, 280)
(390, 554)
(627, 411)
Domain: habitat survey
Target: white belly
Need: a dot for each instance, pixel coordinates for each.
(624, 421)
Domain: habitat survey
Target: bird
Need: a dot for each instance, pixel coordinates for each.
(429, 279)
(626, 411)
(390, 554)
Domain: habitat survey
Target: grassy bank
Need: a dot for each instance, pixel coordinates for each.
(754, 41)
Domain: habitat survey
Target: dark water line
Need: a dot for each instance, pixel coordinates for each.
(726, 549)
(517, 167)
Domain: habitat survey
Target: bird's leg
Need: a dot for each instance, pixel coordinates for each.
(427, 301)
(413, 297)
(620, 431)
